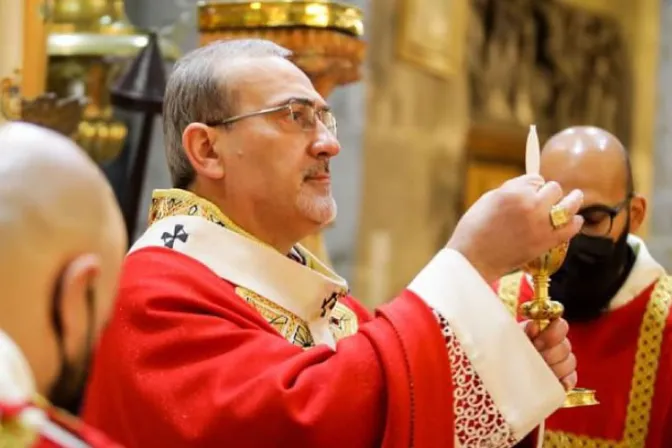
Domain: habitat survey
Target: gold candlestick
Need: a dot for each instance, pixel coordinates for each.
(541, 308)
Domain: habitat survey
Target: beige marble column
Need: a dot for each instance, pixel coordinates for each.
(413, 146)
(11, 40)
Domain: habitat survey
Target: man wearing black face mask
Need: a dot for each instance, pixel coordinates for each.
(63, 240)
(616, 297)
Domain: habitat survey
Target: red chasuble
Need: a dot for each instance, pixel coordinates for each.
(218, 341)
(626, 356)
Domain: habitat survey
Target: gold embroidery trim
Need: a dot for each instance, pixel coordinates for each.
(643, 381)
(176, 202)
(343, 321)
(509, 291)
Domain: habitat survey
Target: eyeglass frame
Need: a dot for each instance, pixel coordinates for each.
(288, 105)
(612, 212)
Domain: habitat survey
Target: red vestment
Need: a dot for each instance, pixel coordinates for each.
(626, 356)
(248, 387)
(193, 358)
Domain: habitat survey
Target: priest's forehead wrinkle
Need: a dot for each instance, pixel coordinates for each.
(54, 202)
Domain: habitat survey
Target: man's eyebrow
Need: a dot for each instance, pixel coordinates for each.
(304, 100)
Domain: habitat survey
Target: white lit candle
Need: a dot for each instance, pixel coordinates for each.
(532, 152)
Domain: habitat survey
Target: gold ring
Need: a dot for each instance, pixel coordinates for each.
(559, 216)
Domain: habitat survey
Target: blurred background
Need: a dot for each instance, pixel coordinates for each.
(433, 98)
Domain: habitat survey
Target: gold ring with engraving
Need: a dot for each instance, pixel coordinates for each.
(559, 216)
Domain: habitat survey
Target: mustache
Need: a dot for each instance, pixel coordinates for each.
(318, 170)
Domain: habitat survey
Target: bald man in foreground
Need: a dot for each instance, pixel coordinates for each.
(616, 297)
(62, 244)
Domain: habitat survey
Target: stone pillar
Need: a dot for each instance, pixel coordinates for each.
(660, 205)
(411, 180)
(11, 43)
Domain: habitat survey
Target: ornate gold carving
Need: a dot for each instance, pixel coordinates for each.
(89, 44)
(548, 63)
(59, 114)
(215, 16)
(329, 58)
(643, 380)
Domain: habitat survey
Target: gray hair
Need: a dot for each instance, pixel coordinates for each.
(197, 92)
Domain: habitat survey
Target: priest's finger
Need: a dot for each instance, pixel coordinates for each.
(526, 180)
(553, 334)
(571, 204)
(570, 381)
(550, 194)
(558, 353)
(564, 368)
(569, 230)
(531, 329)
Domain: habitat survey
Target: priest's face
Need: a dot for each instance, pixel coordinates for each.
(277, 161)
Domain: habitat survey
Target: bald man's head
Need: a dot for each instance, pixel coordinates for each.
(596, 162)
(587, 148)
(62, 244)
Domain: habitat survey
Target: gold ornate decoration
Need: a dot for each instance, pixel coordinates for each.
(59, 114)
(343, 321)
(432, 35)
(89, 43)
(642, 387)
(324, 37)
(325, 14)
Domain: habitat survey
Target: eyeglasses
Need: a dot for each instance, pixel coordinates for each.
(302, 113)
(599, 218)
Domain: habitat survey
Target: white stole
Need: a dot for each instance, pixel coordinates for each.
(308, 293)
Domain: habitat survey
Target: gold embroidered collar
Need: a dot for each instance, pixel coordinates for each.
(178, 202)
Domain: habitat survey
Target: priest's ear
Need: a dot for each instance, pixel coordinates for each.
(200, 143)
(73, 304)
(637, 212)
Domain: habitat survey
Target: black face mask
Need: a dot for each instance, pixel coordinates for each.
(593, 272)
(67, 390)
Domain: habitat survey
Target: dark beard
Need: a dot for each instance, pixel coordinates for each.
(68, 389)
(593, 272)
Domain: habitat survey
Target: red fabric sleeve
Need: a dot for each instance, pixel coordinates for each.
(185, 362)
